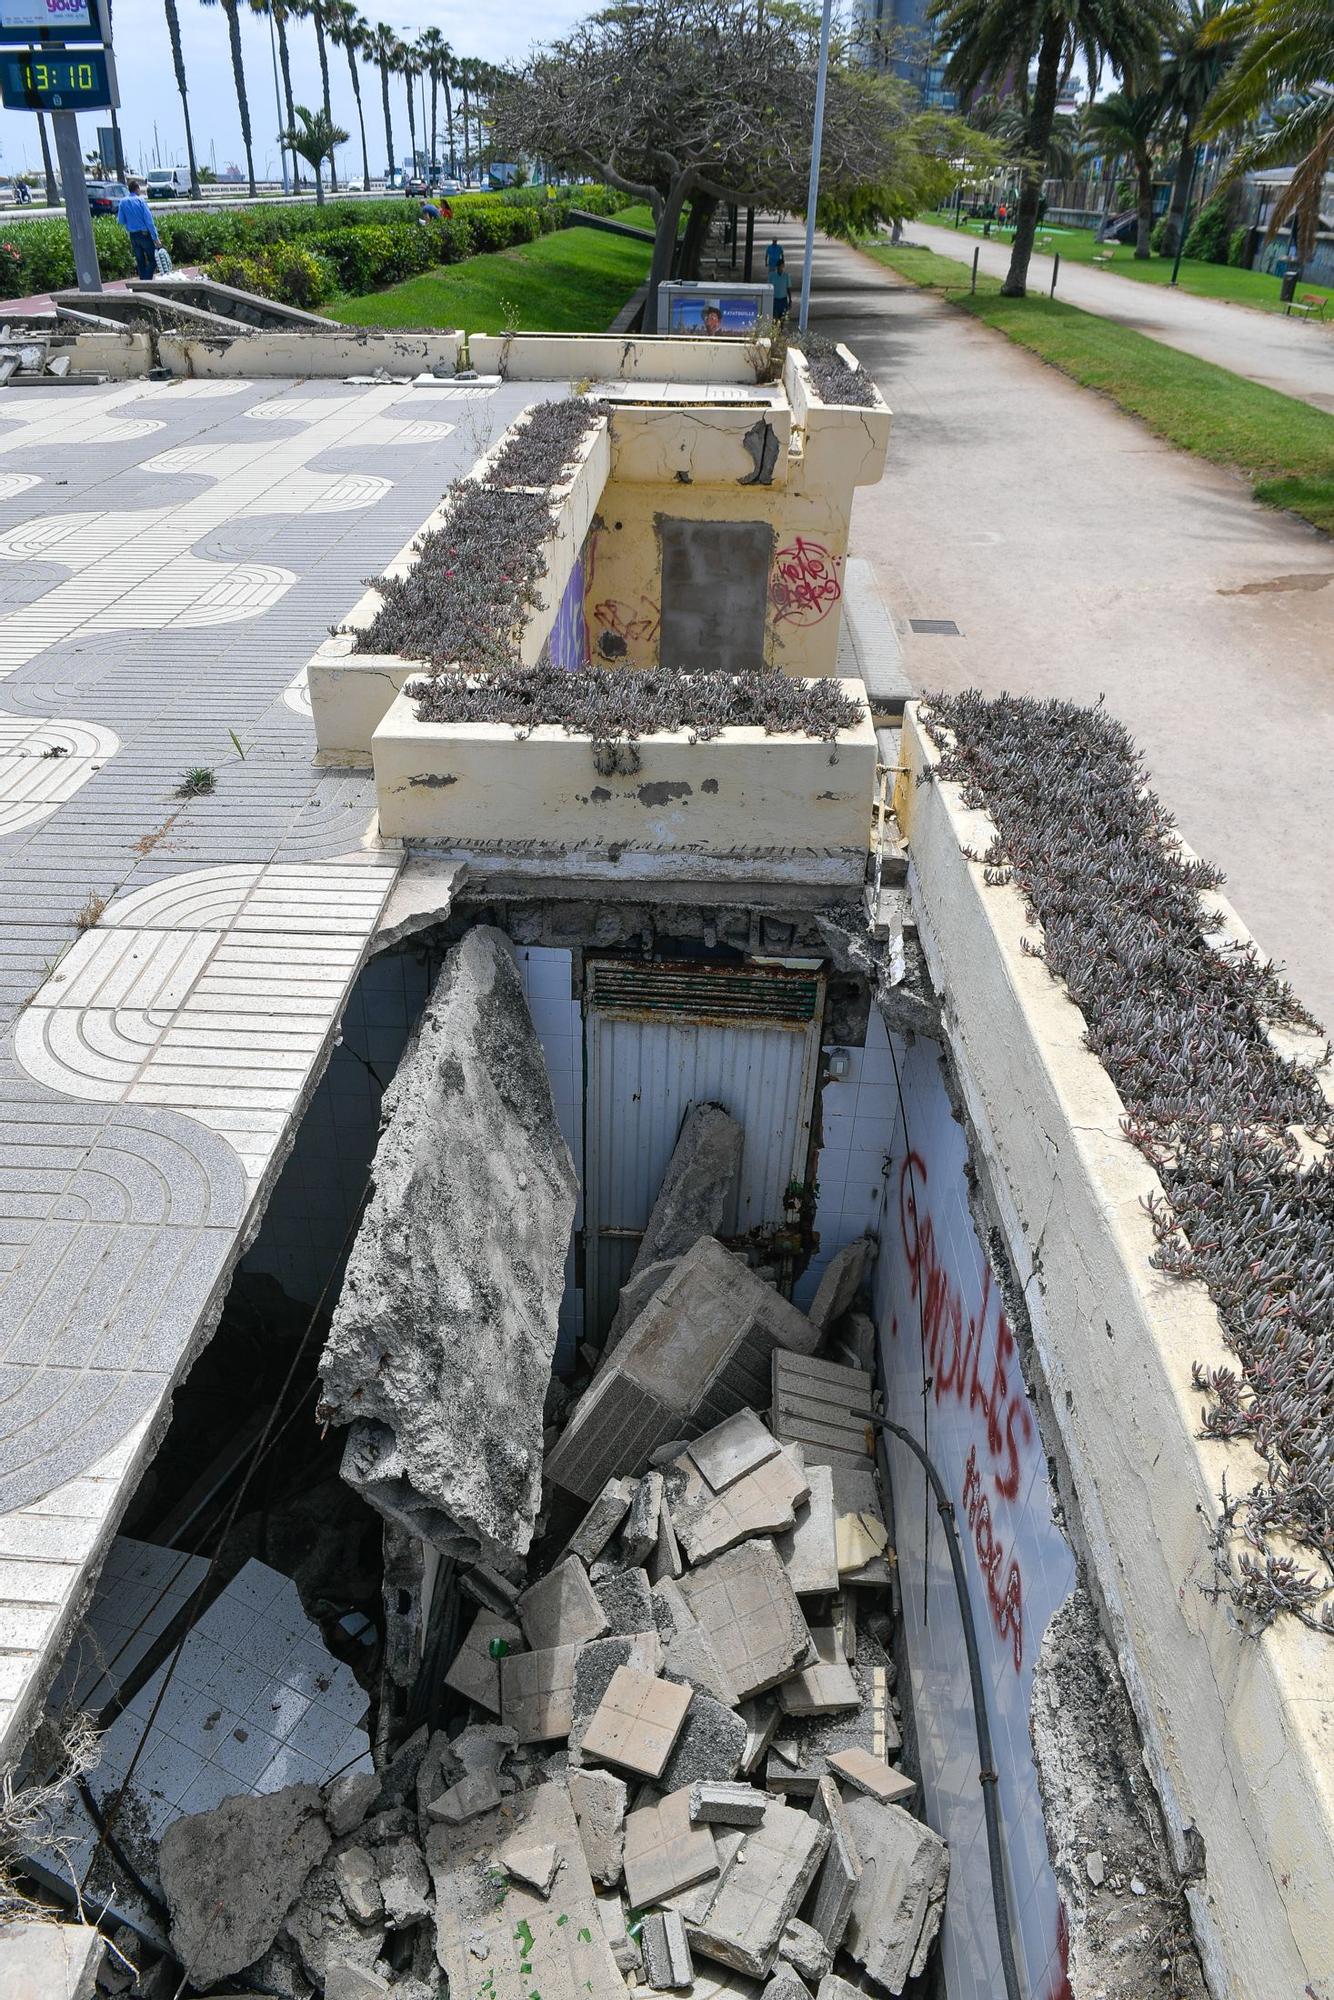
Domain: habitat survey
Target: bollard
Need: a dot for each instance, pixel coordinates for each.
(1055, 273)
(977, 252)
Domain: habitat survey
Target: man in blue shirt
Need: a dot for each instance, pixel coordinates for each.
(135, 216)
(773, 256)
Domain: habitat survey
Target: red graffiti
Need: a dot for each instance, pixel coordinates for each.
(611, 615)
(1006, 1598)
(1060, 1987)
(955, 1344)
(805, 586)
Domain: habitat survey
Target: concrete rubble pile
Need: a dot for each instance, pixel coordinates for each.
(666, 1735)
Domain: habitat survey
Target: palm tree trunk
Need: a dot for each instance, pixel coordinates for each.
(449, 129)
(435, 120)
(467, 166)
(361, 117)
(388, 122)
(285, 65)
(319, 184)
(318, 17)
(238, 77)
(1144, 206)
(178, 64)
(412, 120)
(1041, 117)
(52, 191)
(1177, 220)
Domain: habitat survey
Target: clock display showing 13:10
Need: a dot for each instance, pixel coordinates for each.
(54, 82)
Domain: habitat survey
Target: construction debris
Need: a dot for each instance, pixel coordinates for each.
(725, 1804)
(692, 1202)
(899, 1900)
(230, 1877)
(667, 1962)
(440, 1351)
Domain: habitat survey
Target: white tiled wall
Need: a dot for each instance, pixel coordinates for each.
(858, 1117)
(546, 973)
(935, 1294)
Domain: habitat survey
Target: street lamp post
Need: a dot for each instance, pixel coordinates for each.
(813, 186)
(1185, 215)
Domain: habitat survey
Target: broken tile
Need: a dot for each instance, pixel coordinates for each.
(665, 1562)
(599, 1801)
(699, 1351)
(746, 1919)
(537, 1693)
(594, 1666)
(693, 1903)
(710, 1745)
(900, 1898)
(688, 1652)
(625, 1600)
(637, 1722)
(840, 1871)
(536, 1867)
(602, 1520)
(872, 1775)
(404, 1884)
(561, 1608)
(859, 1527)
(479, 1792)
(639, 1537)
(664, 1852)
(762, 1502)
(736, 1446)
(611, 1913)
(484, 1939)
(713, 1802)
(831, 1987)
(817, 1404)
(358, 1881)
(475, 1670)
(809, 1550)
(843, 1278)
(785, 1984)
(761, 1720)
(750, 1612)
(825, 1687)
(667, 1964)
(804, 1949)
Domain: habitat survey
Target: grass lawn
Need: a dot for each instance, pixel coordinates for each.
(1284, 447)
(574, 281)
(1257, 289)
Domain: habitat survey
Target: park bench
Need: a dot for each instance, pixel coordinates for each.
(1103, 257)
(1311, 305)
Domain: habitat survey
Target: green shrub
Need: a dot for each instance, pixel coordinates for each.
(1238, 247)
(1209, 238)
(288, 272)
(1157, 235)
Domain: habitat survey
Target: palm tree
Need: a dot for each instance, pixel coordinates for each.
(449, 70)
(348, 30)
(1192, 72)
(280, 11)
(381, 45)
(466, 73)
(434, 52)
(231, 9)
(314, 135)
(1283, 49)
(406, 65)
(993, 39)
(1128, 121)
(317, 15)
(48, 168)
(178, 64)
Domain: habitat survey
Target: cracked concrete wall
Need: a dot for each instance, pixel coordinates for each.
(1235, 1729)
(439, 1354)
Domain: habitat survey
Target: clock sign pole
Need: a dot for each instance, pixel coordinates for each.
(55, 55)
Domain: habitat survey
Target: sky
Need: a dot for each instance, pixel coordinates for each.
(149, 97)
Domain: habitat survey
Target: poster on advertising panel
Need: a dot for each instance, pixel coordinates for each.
(714, 311)
(25, 23)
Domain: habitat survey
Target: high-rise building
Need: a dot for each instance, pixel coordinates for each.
(897, 35)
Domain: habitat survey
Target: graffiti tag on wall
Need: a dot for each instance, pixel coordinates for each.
(804, 587)
(971, 1358)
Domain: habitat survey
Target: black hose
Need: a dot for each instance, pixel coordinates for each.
(987, 1776)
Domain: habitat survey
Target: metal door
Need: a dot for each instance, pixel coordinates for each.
(660, 1038)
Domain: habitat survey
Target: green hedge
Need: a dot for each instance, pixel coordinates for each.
(37, 257)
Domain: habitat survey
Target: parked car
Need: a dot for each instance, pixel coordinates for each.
(166, 183)
(450, 187)
(416, 186)
(104, 197)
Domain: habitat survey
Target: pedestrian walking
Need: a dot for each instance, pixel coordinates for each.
(136, 218)
(782, 285)
(773, 256)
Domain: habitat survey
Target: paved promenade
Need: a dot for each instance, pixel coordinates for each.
(170, 555)
(1280, 351)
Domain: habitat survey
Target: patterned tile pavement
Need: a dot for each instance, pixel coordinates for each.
(170, 555)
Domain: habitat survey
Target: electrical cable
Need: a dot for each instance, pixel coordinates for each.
(988, 1776)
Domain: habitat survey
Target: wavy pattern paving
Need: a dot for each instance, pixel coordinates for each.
(44, 763)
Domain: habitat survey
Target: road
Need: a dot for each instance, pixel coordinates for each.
(1079, 555)
(1295, 356)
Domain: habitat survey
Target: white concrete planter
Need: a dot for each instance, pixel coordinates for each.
(856, 435)
(350, 692)
(798, 804)
(556, 357)
(1238, 1730)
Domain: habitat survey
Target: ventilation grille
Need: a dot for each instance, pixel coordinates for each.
(704, 993)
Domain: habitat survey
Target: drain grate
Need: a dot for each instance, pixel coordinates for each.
(946, 627)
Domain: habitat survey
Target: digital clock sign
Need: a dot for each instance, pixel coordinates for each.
(25, 21)
(57, 80)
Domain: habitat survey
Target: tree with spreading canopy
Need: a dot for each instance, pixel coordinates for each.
(687, 103)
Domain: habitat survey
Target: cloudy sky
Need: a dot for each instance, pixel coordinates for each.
(149, 97)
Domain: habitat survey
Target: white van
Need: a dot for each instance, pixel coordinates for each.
(165, 183)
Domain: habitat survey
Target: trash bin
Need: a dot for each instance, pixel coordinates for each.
(1288, 289)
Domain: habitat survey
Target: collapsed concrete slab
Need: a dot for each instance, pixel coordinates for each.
(699, 1352)
(513, 1944)
(231, 1876)
(50, 1961)
(757, 1899)
(900, 1897)
(440, 1351)
(841, 1869)
(843, 1278)
(763, 1501)
(745, 1603)
(599, 1800)
(697, 1187)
